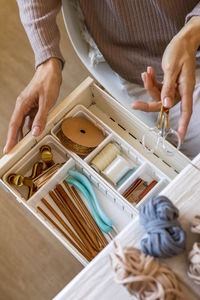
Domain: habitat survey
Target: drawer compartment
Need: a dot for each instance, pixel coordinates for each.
(114, 207)
(24, 167)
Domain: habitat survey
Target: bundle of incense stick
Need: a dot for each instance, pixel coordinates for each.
(138, 190)
(86, 236)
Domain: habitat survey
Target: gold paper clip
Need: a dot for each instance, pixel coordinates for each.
(163, 134)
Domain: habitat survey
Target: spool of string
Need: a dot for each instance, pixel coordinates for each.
(75, 147)
(111, 164)
(144, 277)
(165, 237)
(105, 157)
(80, 135)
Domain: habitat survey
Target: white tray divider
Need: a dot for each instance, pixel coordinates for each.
(22, 167)
(92, 154)
(157, 189)
(115, 207)
(57, 178)
(123, 187)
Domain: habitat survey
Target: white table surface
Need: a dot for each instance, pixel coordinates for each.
(96, 281)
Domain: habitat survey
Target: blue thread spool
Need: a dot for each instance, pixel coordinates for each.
(126, 176)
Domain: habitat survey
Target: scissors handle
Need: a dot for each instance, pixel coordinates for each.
(104, 227)
(152, 149)
(161, 140)
(171, 132)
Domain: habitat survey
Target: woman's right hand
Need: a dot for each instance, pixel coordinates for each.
(154, 89)
(35, 102)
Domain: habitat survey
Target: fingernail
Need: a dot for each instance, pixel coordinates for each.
(167, 102)
(132, 105)
(36, 131)
(4, 150)
(143, 77)
(149, 70)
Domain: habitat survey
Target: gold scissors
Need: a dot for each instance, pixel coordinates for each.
(163, 135)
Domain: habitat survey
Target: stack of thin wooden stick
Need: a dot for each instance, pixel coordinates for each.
(86, 237)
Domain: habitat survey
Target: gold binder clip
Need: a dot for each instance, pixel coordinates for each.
(20, 180)
(47, 156)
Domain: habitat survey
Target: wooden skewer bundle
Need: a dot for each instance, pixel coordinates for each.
(138, 190)
(86, 237)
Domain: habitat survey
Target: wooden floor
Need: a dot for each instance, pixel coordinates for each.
(33, 264)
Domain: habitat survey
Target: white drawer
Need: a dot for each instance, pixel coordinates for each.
(118, 125)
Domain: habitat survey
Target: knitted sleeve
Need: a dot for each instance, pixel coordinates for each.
(194, 12)
(39, 21)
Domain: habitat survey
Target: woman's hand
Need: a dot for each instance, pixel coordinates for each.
(35, 101)
(154, 89)
(178, 65)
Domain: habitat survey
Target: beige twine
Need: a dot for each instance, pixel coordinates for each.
(194, 267)
(194, 255)
(143, 276)
(195, 226)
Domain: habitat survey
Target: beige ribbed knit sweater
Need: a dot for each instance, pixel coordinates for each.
(131, 34)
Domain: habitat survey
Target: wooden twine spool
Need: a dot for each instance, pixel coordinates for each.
(80, 135)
